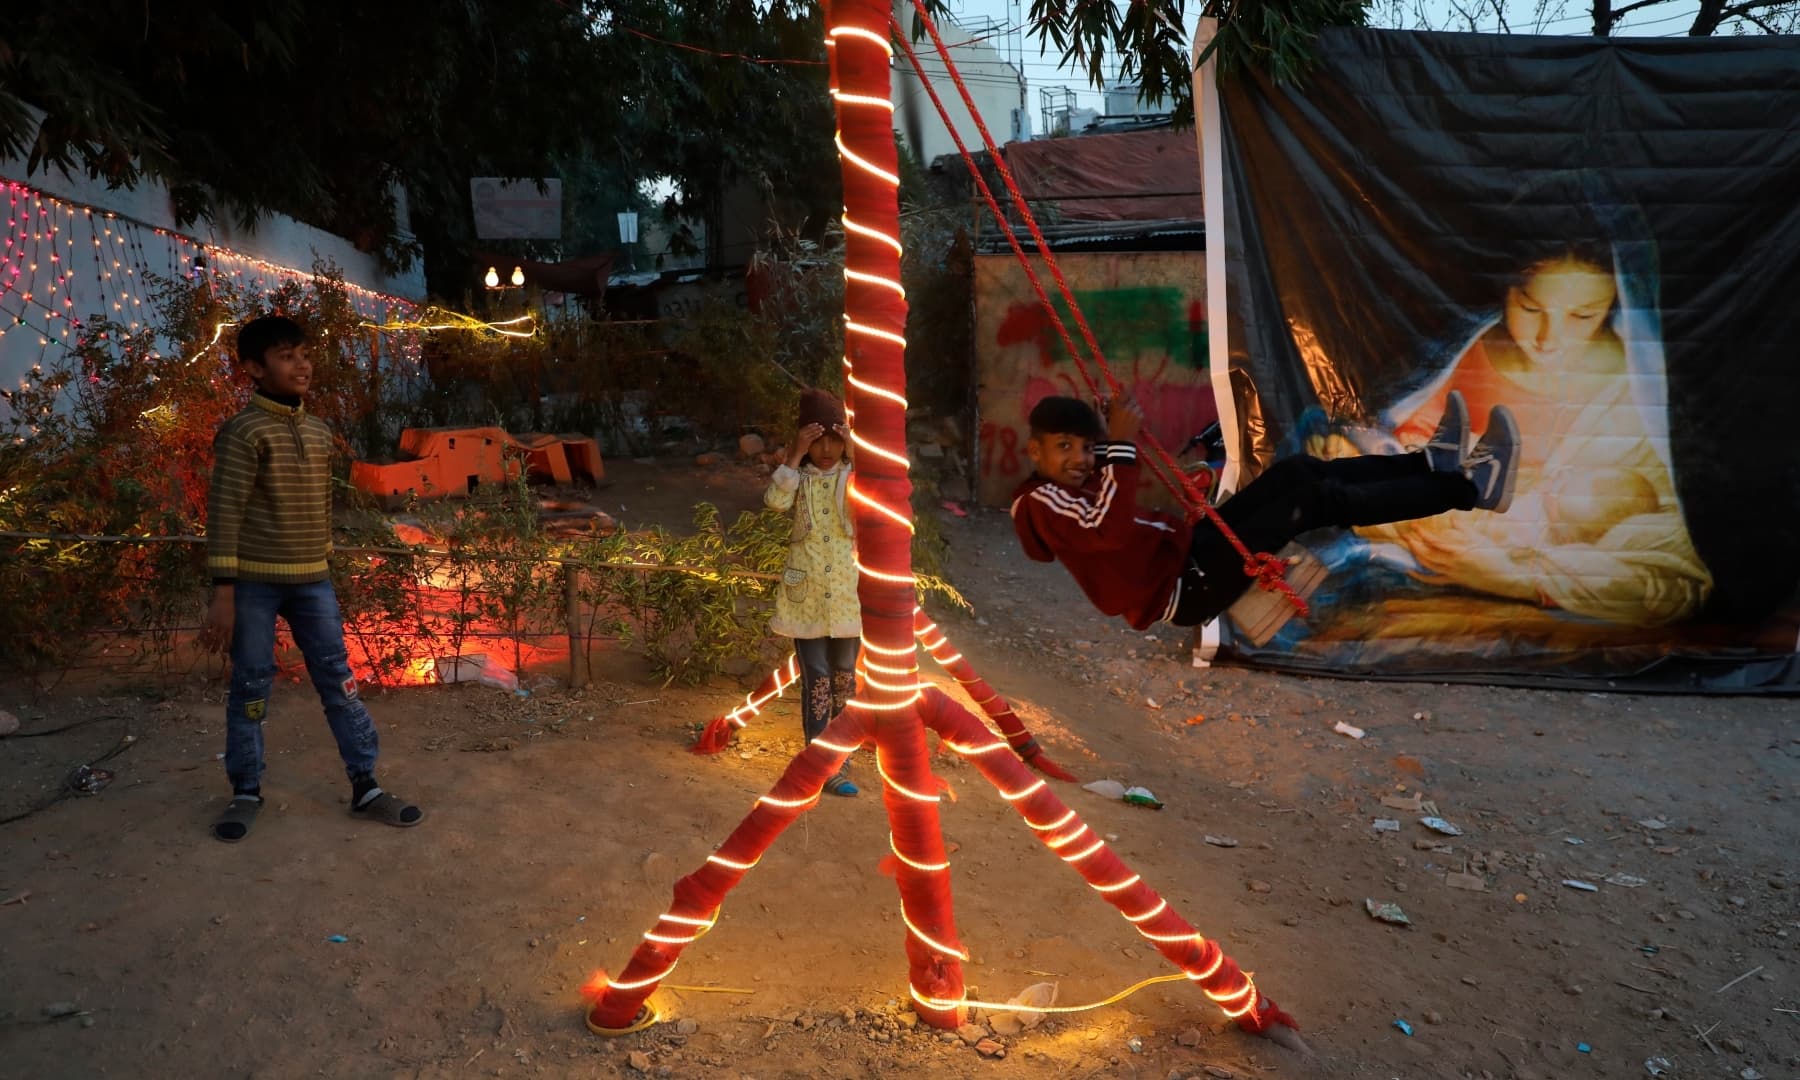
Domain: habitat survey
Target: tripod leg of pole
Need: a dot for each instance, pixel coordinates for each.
(1064, 833)
(1022, 741)
(616, 1003)
(934, 954)
(717, 735)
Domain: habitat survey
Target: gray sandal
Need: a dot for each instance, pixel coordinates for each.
(389, 810)
(234, 824)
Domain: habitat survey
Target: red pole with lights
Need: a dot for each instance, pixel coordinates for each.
(875, 380)
(892, 708)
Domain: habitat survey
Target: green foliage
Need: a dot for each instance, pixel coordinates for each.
(938, 271)
(1147, 40)
(728, 376)
(691, 623)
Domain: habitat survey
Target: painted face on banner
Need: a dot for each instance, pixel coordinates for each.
(1559, 307)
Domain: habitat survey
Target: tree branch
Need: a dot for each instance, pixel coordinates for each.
(1620, 12)
(1747, 17)
(1743, 10)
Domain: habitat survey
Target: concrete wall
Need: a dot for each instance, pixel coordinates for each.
(276, 250)
(1148, 312)
(994, 84)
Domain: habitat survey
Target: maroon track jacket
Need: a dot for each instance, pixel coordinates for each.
(1126, 560)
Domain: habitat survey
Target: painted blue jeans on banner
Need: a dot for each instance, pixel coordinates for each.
(312, 615)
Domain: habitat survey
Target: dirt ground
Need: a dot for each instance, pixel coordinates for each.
(323, 946)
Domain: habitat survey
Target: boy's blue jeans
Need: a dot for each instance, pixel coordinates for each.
(312, 615)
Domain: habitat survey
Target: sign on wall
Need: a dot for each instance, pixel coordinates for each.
(516, 209)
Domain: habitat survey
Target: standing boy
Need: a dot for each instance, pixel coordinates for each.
(1079, 506)
(267, 536)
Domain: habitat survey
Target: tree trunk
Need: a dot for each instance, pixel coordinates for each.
(1707, 19)
(1603, 18)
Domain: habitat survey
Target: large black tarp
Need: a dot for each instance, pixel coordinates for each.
(1602, 235)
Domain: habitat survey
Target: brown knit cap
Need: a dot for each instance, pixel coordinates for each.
(820, 407)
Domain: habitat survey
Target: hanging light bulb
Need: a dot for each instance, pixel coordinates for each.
(518, 277)
(492, 280)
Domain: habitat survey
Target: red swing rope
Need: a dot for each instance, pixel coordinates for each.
(1266, 569)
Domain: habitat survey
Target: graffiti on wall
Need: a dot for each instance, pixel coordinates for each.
(1148, 313)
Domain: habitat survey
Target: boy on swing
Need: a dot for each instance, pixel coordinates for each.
(1079, 506)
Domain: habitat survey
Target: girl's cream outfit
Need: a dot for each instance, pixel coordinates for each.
(817, 595)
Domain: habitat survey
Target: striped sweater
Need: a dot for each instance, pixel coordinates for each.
(268, 516)
(1126, 559)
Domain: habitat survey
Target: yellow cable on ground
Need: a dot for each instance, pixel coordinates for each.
(1000, 1006)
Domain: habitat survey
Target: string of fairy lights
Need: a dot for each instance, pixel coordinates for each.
(44, 281)
(65, 262)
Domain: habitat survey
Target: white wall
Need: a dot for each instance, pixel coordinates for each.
(995, 85)
(276, 250)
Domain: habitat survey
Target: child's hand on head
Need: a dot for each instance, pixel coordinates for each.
(803, 440)
(1123, 418)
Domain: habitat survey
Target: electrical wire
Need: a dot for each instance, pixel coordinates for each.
(72, 781)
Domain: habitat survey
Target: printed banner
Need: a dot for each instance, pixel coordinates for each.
(1599, 237)
(1148, 313)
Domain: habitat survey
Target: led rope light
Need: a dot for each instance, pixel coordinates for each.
(1218, 962)
(787, 804)
(857, 496)
(906, 650)
(892, 688)
(930, 868)
(1004, 1006)
(862, 99)
(1015, 796)
(639, 984)
(966, 751)
(1059, 823)
(895, 706)
(855, 327)
(937, 946)
(1084, 852)
(867, 35)
(867, 166)
(870, 388)
(872, 279)
(898, 579)
(873, 234)
(729, 864)
(901, 788)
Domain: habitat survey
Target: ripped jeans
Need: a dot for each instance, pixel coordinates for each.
(827, 679)
(312, 615)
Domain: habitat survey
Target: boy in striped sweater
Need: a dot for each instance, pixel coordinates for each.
(268, 533)
(1079, 506)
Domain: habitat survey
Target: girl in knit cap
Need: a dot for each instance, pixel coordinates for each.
(816, 602)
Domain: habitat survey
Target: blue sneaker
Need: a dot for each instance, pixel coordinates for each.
(1494, 463)
(839, 783)
(1446, 449)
